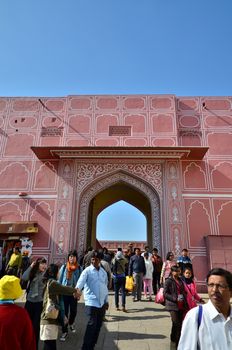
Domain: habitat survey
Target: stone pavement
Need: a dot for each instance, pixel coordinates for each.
(146, 326)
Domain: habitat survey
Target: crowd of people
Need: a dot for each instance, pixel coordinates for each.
(51, 288)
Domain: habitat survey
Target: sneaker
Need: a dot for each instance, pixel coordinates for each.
(63, 336)
(72, 329)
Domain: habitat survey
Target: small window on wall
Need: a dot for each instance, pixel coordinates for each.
(116, 130)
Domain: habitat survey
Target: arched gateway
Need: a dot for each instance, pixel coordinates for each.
(108, 189)
(90, 179)
(168, 156)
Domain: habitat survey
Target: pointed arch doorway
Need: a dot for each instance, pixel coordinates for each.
(121, 222)
(122, 192)
(107, 191)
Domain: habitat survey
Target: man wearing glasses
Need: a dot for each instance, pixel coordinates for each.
(213, 330)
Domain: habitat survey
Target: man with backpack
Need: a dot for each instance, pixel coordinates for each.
(119, 264)
(210, 326)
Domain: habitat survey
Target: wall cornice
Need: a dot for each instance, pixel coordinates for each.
(120, 152)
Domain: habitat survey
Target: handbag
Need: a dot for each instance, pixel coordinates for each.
(51, 310)
(159, 298)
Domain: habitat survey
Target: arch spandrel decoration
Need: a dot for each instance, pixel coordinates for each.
(97, 185)
(149, 172)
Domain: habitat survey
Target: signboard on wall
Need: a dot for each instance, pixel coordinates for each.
(20, 227)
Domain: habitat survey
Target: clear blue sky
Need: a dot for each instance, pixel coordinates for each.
(121, 221)
(57, 47)
(76, 47)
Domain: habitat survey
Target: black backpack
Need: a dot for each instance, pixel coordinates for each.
(115, 267)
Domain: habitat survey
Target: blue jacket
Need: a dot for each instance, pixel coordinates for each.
(137, 264)
(75, 276)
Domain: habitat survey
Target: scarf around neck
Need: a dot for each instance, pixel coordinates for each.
(70, 268)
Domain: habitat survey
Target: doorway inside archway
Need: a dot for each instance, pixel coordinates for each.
(121, 223)
(118, 194)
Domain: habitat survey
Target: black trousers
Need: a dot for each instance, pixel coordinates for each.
(155, 282)
(34, 310)
(177, 319)
(70, 310)
(49, 344)
(95, 318)
(119, 283)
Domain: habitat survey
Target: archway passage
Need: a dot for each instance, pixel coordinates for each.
(111, 195)
(121, 222)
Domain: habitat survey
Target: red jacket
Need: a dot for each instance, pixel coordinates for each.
(192, 296)
(16, 331)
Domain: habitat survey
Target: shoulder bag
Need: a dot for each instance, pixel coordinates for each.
(51, 310)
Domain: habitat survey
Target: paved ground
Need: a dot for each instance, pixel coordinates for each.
(146, 326)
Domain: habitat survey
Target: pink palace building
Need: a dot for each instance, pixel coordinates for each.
(65, 159)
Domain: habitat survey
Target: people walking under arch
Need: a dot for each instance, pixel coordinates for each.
(53, 290)
(175, 302)
(157, 267)
(184, 260)
(68, 276)
(147, 278)
(34, 276)
(166, 268)
(137, 269)
(146, 250)
(87, 257)
(119, 264)
(94, 281)
(190, 287)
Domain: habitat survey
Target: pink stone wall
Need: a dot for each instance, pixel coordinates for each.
(197, 194)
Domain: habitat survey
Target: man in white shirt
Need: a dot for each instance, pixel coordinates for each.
(94, 281)
(214, 330)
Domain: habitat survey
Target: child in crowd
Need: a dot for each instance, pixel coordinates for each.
(184, 260)
(190, 288)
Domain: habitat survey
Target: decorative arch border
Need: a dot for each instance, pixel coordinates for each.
(219, 214)
(201, 171)
(189, 213)
(97, 186)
